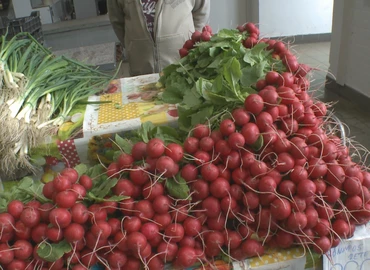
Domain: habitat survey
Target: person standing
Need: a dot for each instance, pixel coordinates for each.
(153, 31)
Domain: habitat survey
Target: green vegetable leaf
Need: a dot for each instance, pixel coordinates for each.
(95, 171)
(171, 97)
(202, 116)
(52, 252)
(114, 198)
(103, 186)
(192, 98)
(123, 143)
(249, 76)
(144, 131)
(166, 133)
(81, 169)
(258, 144)
(177, 187)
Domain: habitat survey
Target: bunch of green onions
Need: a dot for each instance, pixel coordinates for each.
(38, 91)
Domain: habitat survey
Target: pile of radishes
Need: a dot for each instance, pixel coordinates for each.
(270, 175)
(196, 37)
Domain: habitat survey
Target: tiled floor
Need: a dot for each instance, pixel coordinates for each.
(356, 121)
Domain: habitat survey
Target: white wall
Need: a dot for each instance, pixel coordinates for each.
(227, 13)
(295, 17)
(350, 48)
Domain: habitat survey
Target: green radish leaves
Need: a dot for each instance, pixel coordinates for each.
(215, 76)
(177, 187)
(53, 252)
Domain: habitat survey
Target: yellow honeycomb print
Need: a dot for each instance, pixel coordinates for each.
(115, 111)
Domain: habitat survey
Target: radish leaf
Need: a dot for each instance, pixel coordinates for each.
(53, 252)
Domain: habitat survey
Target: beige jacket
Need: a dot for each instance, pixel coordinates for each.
(175, 20)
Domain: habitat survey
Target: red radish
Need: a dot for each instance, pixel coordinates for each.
(284, 239)
(251, 200)
(220, 188)
(212, 206)
(280, 209)
(29, 217)
(331, 194)
(60, 217)
(189, 172)
(189, 44)
(174, 232)
(22, 249)
(174, 151)
(144, 209)
(124, 187)
(74, 232)
(166, 166)
(113, 170)
(116, 259)
(195, 36)
(254, 104)
(6, 254)
(125, 161)
(270, 97)
(61, 183)
(79, 213)
(200, 131)
(207, 28)
(38, 233)
(279, 47)
(15, 208)
(341, 228)
(79, 190)
(139, 176)
(186, 257)
(306, 188)
(250, 132)
(209, 172)
(152, 191)
(167, 251)
(22, 231)
(183, 52)
(285, 162)
(241, 116)
(71, 174)
(85, 181)
(317, 168)
(227, 127)
(252, 248)
(66, 199)
(150, 230)
(201, 157)
(250, 42)
(97, 212)
(200, 189)
(191, 145)
(352, 186)
(155, 148)
(48, 190)
(223, 148)
(54, 234)
(205, 36)
(322, 245)
(286, 79)
(206, 144)
(287, 188)
(297, 221)
(138, 151)
(236, 140)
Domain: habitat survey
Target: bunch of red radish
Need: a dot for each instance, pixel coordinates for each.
(270, 175)
(196, 37)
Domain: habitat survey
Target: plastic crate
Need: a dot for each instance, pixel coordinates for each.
(30, 24)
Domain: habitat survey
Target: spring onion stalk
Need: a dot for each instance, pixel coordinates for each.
(38, 91)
